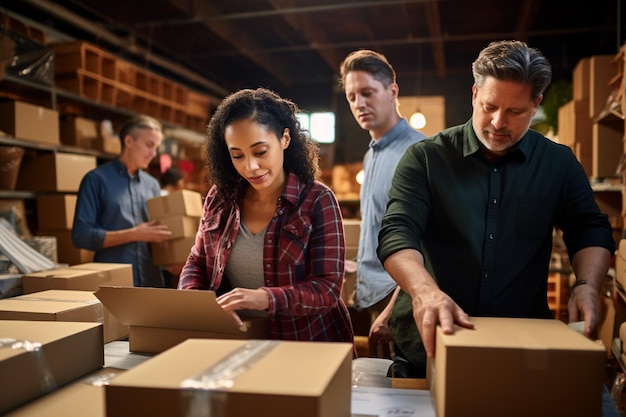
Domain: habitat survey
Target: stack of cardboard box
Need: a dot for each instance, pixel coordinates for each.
(55, 215)
(181, 212)
(67, 294)
(598, 146)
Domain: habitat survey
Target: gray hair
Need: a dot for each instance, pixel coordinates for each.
(141, 121)
(513, 61)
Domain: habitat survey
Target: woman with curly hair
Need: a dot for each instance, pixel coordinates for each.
(270, 242)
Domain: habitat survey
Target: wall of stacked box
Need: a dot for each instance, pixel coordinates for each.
(593, 125)
(61, 106)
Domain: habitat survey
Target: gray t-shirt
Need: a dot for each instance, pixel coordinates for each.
(244, 268)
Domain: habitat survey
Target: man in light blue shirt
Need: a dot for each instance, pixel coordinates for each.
(369, 83)
(111, 215)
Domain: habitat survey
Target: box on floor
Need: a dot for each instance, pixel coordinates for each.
(41, 356)
(63, 305)
(494, 370)
(160, 318)
(229, 378)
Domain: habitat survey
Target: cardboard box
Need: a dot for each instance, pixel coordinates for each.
(39, 357)
(63, 305)
(112, 273)
(108, 141)
(82, 398)
(84, 277)
(30, 122)
(54, 172)
(172, 252)
(10, 285)
(575, 126)
(160, 318)
(56, 212)
(53, 305)
(352, 229)
(602, 68)
(352, 252)
(67, 253)
(78, 131)
(491, 370)
(181, 202)
(259, 378)
(620, 268)
(348, 289)
(608, 148)
(181, 226)
(580, 80)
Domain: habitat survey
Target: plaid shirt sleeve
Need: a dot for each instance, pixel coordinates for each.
(310, 256)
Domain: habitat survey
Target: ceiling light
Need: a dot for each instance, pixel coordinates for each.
(417, 120)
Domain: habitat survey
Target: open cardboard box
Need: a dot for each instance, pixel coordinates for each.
(159, 318)
(237, 378)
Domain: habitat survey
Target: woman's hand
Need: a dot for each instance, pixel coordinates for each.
(244, 299)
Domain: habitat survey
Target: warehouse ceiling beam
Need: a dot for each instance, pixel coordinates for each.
(445, 38)
(122, 43)
(434, 28)
(309, 31)
(210, 17)
(239, 36)
(526, 17)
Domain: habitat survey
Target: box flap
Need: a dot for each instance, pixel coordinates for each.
(167, 308)
(102, 266)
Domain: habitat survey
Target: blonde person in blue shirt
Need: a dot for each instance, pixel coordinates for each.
(111, 215)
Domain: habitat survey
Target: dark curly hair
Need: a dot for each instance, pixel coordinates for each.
(275, 113)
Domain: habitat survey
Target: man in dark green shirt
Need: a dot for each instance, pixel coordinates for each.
(468, 228)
